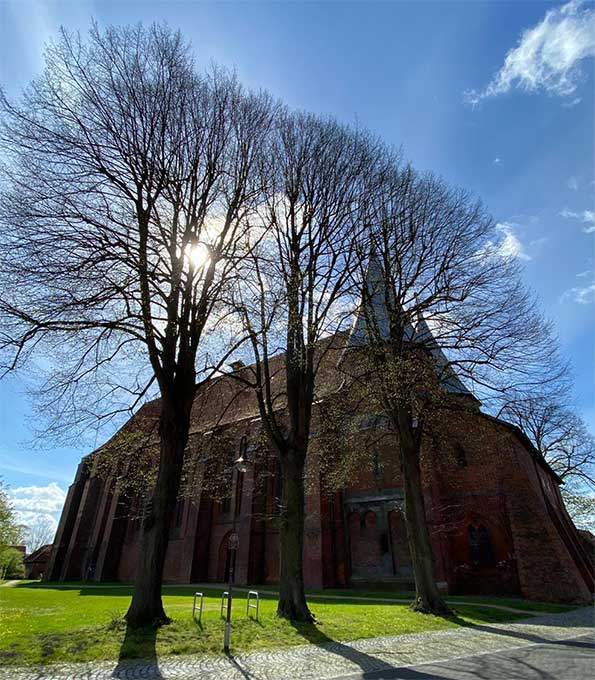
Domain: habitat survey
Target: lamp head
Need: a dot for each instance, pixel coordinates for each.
(241, 464)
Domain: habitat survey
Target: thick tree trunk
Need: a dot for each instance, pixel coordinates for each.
(146, 608)
(292, 599)
(427, 597)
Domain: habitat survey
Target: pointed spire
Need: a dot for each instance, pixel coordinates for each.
(376, 292)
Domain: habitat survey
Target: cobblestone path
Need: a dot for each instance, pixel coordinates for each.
(330, 660)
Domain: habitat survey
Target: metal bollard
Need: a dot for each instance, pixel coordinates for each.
(199, 608)
(252, 593)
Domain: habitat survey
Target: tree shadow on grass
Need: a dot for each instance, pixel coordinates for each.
(138, 651)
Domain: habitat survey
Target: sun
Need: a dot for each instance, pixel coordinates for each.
(197, 255)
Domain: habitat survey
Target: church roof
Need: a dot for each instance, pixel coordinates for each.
(41, 554)
(448, 377)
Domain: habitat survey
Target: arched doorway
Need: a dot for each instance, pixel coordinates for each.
(224, 559)
(379, 551)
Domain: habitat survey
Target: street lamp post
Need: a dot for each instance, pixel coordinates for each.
(239, 468)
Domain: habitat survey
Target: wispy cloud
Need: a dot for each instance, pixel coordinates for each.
(587, 217)
(506, 243)
(510, 245)
(583, 295)
(548, 56)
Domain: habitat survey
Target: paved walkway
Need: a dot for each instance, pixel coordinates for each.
(572, 659)
(332, 660)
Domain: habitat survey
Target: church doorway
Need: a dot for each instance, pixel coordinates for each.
(371, 558)
(224, 559)
(378, 545)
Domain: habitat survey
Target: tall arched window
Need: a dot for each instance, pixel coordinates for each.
(460, 456)
(486, 553)
(473, 544)
(480, 545)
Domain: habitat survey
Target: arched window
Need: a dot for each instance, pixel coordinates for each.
(473, 544)
(486, 553)
(460, 456)
(480, 545)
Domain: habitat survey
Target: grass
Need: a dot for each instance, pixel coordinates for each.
(46, 623)
(453, 600)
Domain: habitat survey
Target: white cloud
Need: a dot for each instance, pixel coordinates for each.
(497, 161)
(30, 519)
(587, 217)
(572, 183)
(510, 244)
(548, 55)
(31, 501)
(584, 296)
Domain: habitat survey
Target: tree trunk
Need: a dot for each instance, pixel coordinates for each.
(292, 599)
(427, 597)
(146, 608)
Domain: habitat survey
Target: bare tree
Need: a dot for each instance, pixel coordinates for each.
(126, 179)
(294, 294)
(580, 504)
(440, 302)
(559, 435)
(38, 533)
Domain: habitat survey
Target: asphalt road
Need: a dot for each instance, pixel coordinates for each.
(572, 659)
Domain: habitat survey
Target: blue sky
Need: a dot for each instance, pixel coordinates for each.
(497, 97)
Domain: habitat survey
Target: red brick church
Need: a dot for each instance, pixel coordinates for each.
(497, 520)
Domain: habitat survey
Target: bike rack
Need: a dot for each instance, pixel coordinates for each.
(223, 598)
(252, 593)
(196, 595)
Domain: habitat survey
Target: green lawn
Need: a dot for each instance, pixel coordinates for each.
(516, 603)
(44, 623)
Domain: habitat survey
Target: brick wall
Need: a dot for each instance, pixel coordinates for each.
(479, 478)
